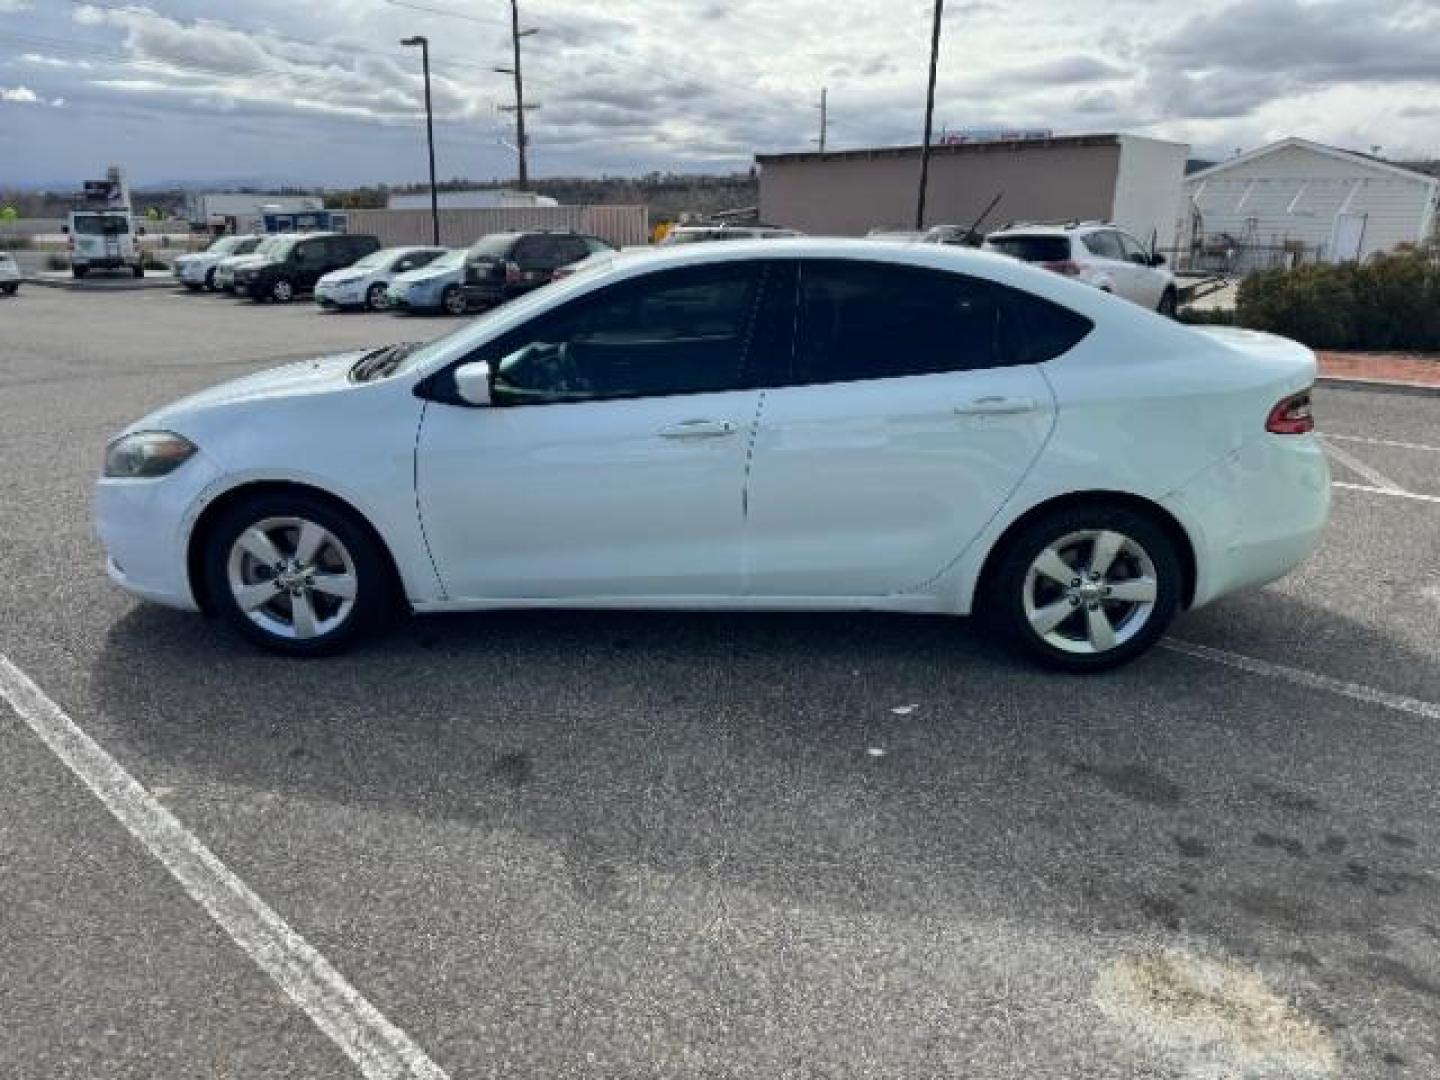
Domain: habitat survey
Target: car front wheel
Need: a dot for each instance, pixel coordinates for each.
(375, 297)
(453, 301)
(1086, 589)
(1169, 304)
(295, 574)
(282, 291)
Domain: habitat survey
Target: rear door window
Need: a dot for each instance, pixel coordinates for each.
(860, 320)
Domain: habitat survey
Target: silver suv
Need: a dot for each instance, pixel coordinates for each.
(1097, 253)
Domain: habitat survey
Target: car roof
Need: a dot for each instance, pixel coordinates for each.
(1051, 228)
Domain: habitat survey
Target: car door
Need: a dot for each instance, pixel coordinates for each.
(611, 461)
(1111, 272)
(1146, 283)
(913, 408)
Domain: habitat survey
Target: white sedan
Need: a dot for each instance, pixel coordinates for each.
(838, 425)
(363, 284)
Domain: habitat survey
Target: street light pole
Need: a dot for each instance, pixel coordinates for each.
(424, 44)
(929, 115)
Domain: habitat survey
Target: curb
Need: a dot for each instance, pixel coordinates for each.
(110, 285)
(1381, 386)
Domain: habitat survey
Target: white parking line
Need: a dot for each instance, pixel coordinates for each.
(1380, 442)
(378, 1048)
(1354, 691)
(1385, 491)
(1355, 465)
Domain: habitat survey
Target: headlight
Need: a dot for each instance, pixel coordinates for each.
(147, 453)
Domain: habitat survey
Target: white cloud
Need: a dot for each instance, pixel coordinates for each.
(20, 95)
(10, 7)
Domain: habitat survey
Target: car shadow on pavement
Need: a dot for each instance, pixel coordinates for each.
(899, 766)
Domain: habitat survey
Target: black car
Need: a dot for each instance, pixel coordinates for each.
(296, 263)
(502, 266)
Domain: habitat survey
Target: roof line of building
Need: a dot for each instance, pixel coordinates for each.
(944, 149)
(1319, 148)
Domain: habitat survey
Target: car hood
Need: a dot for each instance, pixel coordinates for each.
(343, 277)
(299, 379)
(241, 260)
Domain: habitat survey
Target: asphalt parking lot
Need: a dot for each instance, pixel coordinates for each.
(636, 845)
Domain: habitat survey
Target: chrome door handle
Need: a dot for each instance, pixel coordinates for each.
(698, 429)
(995, 406)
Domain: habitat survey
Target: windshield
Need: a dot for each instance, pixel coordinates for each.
(451, 260)
(279, 246)
(376, 258)
(101, 224)
(226, 245)
(498, 245)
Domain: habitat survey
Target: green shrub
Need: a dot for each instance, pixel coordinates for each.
(1207, 316)
(1392, 302)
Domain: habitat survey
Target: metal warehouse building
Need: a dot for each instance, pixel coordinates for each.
(1135, 182)
(1317, 201)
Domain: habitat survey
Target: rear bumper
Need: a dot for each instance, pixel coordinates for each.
(1256, 515)
(104, 262)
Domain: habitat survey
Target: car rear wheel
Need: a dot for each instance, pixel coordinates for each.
(1169, 304)
(282, 291)
(79, 271)
(295, 574)
(1086, 589)
(453, 301)
(375, 297)
(138, 271)
(9, 289)
(210, 280)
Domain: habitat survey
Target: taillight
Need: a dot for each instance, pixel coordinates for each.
(1068, 267)
(1291, 415)
(512, 272)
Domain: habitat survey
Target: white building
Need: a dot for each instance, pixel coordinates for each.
(1337, 204)
(238, 212)
(485, 199)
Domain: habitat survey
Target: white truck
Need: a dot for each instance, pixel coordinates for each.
(102, 230)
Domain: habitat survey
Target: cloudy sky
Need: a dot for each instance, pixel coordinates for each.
(320, 92)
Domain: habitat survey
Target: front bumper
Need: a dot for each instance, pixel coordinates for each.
(145, 527)
(413, 299)
(339, 295)
(190, 273)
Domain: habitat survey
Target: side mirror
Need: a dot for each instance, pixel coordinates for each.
(472, 383)
(1157, 260)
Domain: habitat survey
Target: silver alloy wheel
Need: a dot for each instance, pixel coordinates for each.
(1090, 591)
(283, 291)
(375, 298)
(455, 301)
(292, 577)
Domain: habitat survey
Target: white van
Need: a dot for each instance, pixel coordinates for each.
(104, 240)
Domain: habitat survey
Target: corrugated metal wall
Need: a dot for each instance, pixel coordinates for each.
(620, 225)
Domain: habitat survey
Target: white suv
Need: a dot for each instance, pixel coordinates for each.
(1096, 253)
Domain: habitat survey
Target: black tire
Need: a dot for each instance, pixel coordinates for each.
(453, 302)
(1169, 304)
(282, 291)
(10, 288)
(372, 576)
(210, 280)
(1004, 594)
(79, 271)
(375, 297)
(138, 271)
(190, 286)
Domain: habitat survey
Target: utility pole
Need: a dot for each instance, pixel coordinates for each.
(824, 121)
(929, 115)
(523, 178)
(424, 44)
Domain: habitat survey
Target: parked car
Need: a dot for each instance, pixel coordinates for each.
(294, 265)
(824, 425)
(433, 287)
(705, 234)
(10, 276)
(105, 239)
(196, 271)
(503, 266)
(226, 268)
(935, 234)
(1096, 253)
(363, 284)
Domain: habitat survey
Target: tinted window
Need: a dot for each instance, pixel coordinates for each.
(1104, 244)
(570, 249)
(1132, 249)
(675, 332)
(1033, 249)
(496, 245)
(537, 253)
(876, 321)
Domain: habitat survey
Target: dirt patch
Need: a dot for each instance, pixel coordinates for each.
(1213, 1014)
